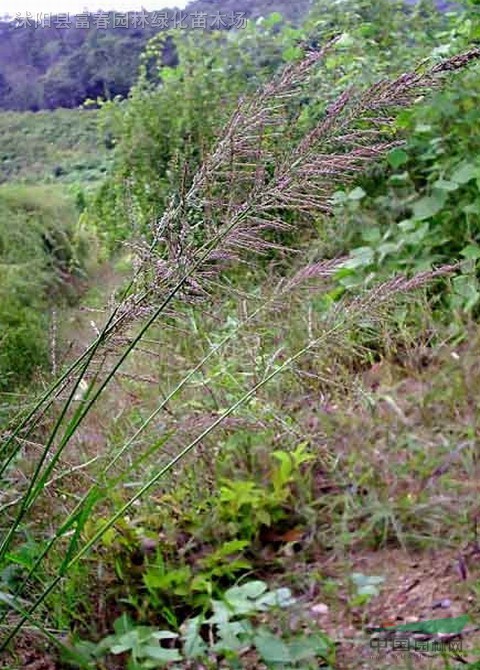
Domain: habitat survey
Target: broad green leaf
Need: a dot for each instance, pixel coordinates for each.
(123, 624)
(397, 157)
(471, 251)
(445, 185)
(356, 194)
(221, 612)
(399, 179)
(281, 597)
(345, 40)
(407, 225)
(193, 644)
(428, 206)
(466, 288)
(368, 590)
(272, 20)
(232, 635)
(359, 258)
(231, 547)
(122, 646)
(164, 635)
(388, 248)
(423, 128)
(372, 235)
(308, 646)
(160, 654)
(292, 53)
(360, 579)
(465, 172)
(367, 585)
(251, 589)
(271, 648)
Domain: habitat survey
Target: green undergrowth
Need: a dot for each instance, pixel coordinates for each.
(63, 146)
(41, 255)
(382, 456)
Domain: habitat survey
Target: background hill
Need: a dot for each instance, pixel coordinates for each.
(47, 62)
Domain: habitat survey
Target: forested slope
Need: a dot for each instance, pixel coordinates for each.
(54, 61)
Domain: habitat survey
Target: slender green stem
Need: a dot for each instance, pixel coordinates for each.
(74, 514)
(161, 473)
(36, 487)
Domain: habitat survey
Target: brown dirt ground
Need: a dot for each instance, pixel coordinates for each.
(414, 587)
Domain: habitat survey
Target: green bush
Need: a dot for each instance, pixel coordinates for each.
(39, 259)
(59, 146)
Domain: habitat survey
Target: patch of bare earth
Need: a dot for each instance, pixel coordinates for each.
(418, 587)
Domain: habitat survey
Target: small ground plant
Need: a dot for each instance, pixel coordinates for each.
(227, 630)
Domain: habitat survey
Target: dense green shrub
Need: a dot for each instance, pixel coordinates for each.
(39, 258)
(425, 210)
(58, 146)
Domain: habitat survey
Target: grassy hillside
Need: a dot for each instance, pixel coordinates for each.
(51, 66)
(60, 146)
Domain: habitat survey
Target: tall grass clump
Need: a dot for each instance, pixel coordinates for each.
(236, 206)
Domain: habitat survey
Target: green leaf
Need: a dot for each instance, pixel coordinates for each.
(429, 205)
(397, 157)
(292, 53)
(367, 585)
(232, 635)
(164, 635)
(251, 589)
(193, 644)
(359, 258)
(123, 645)
(399, 178)
(123, 624)
(160, 654)
(388, 248)
(368, 590)
(169, 73)
(471, 251)
(242, 599)
(281, 597)
(466, 288)
(272, 20)
(472, 208)
(305, 647)
(445, 185)
(356, 194)
(418, 233)
(360, 579)
(465, 172)
(345, 40)
(283, 474)
(263, 517)
(231, 547)
(271, 648)
(423, 128)
(450, 626)
(371, 235)
(221, 612)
